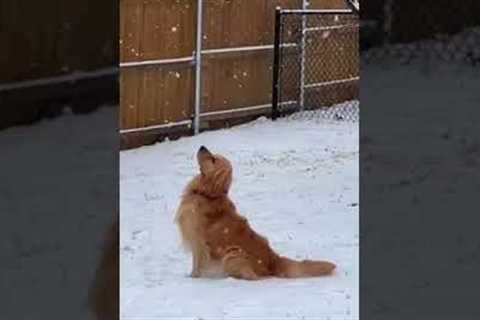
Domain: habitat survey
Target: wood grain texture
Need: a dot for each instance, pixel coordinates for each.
(165, 29)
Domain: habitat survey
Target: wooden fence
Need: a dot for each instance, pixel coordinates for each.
(56, 52)
(40, 38)
(157, 83)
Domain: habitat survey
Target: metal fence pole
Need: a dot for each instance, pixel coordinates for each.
(302, 56)
(276, 62)
(387, 20)
(198, 68)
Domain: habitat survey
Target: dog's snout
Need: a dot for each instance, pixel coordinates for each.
(203, 149)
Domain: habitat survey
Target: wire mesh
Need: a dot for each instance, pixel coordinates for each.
(318, 57)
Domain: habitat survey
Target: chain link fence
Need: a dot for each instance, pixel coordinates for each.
(316, 64)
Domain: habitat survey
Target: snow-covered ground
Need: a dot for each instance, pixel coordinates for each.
(296, 180)
(57, 194)
(420, 150)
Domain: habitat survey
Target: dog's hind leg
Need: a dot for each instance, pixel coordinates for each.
(236, 264)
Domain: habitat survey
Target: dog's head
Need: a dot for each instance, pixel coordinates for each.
(215, 173)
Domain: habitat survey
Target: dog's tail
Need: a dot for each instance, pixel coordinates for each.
(289, 268)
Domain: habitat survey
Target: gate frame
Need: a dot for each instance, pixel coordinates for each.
(277, 47)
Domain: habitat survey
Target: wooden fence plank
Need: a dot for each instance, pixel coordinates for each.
(131, 16)
(241, 23)
(237, 80)
(153, 95)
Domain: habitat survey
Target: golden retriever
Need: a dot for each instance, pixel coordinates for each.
(221, 241)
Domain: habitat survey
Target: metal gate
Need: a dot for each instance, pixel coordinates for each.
(316, 63)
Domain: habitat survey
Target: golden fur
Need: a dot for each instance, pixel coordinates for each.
(221, 241)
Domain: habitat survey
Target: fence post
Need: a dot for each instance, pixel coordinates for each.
(387, 20)
(276, 62)
(302, 57)
(198, 68)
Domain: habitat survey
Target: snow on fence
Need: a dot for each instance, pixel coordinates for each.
(167, 84)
